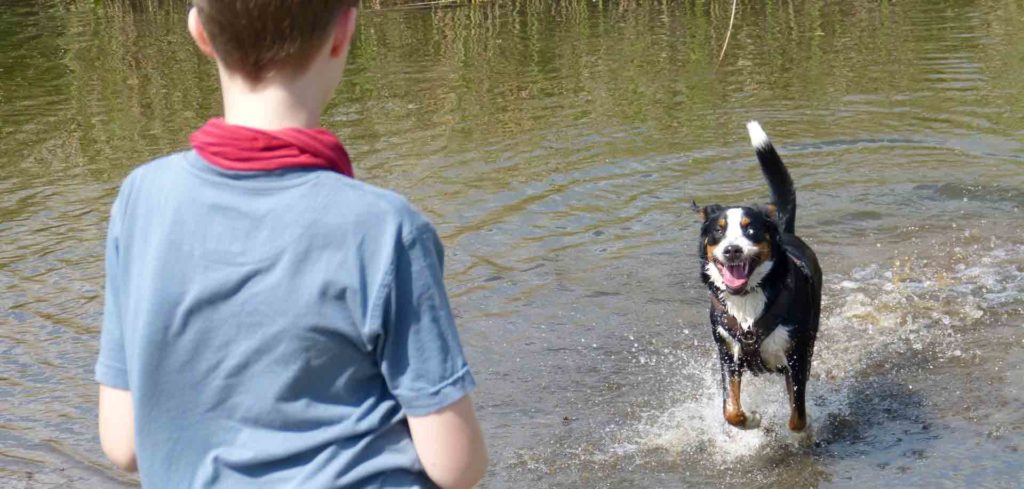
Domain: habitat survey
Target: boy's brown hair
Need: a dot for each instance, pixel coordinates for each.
(257, 37)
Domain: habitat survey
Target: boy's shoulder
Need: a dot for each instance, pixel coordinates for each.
(161, 169)
(367, 204)
(372, 203)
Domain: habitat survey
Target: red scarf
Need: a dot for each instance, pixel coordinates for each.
(241, 148)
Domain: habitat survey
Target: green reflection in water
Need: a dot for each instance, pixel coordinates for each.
(98, 87)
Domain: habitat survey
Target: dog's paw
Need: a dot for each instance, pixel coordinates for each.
(753, 421)
(805, 437)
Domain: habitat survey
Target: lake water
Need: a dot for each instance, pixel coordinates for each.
(556, 146)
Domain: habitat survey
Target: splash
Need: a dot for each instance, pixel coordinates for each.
(875, 317)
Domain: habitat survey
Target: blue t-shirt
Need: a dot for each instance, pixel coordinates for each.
(275, 328)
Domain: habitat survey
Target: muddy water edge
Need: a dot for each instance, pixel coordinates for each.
(557, 145)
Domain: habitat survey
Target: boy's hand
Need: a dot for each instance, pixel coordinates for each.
(450, 445)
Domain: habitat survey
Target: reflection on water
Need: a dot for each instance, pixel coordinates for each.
(557, 146)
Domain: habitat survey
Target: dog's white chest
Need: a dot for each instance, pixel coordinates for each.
(775, 347)
(745, 308)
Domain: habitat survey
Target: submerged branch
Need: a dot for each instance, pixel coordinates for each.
(728, 33)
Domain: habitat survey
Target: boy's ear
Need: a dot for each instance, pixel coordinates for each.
(195, 28)
(344, 28)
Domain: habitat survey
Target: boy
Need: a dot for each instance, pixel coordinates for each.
(270, 321)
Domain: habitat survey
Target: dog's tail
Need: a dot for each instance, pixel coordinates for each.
(779, 181)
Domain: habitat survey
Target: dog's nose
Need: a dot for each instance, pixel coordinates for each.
(733, 252)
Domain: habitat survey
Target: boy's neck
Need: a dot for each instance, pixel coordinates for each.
(273, 104)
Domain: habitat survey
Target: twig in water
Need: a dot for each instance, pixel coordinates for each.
(728, 33)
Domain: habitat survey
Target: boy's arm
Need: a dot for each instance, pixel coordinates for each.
(117, 427)
(450, 445)
(422, 362)
(116, 412)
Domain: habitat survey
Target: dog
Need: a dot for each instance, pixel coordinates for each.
(765, 286)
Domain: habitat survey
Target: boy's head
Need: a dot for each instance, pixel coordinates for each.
(258, 39)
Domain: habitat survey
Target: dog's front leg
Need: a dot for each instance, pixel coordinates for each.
(796, 387)
(732, 409)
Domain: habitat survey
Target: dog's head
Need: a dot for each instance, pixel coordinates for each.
(738, 245)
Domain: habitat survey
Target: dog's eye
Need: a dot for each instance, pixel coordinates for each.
(750, 231)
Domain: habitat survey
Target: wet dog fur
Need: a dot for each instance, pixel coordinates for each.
(765, 286)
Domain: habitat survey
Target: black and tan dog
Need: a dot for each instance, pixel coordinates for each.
(765, 288)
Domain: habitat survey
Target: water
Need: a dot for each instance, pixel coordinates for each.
(557, 146)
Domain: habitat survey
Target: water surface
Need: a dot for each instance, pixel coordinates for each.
(557, 145)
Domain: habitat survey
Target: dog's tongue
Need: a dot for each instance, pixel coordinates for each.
(735, 276)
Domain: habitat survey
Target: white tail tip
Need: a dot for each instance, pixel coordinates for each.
(758, 138)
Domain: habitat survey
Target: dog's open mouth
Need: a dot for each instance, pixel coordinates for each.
(736, 275)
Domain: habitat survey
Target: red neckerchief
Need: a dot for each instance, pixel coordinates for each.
(241, 148)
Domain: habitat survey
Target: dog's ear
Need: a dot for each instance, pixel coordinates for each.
(705, 212)
(697, 210)
(771, 211)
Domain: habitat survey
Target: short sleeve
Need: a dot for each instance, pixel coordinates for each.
(419, 351)
(111, 367)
